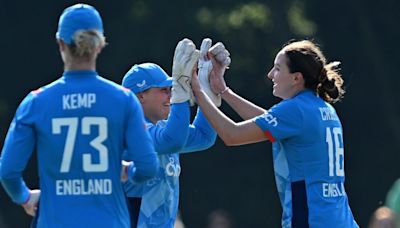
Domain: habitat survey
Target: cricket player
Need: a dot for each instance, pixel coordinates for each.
(305, 131)
(167, 113)
(79, 126)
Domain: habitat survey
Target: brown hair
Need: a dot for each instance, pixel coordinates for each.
(323, 78)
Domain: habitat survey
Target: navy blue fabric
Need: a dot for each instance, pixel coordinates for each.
(299, 205)
(134, 209)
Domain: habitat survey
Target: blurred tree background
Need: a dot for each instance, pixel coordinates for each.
(363, 35)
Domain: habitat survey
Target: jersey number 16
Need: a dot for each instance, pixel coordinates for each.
(334, 139)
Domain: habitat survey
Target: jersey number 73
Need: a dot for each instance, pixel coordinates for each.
(72, 131)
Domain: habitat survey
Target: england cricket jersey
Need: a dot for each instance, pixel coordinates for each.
(160, 195)
(308, 158)
(79, 126)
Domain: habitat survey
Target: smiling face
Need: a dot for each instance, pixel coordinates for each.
(285, 84)
(155, 103)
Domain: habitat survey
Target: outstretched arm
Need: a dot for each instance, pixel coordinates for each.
(201, 134)
(230, 132)
(171, 135)
(243, 107)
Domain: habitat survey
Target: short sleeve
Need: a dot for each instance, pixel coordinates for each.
(281, 121)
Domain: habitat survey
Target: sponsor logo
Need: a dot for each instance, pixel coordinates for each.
(172, 168)
(141, 84)
(271, 120)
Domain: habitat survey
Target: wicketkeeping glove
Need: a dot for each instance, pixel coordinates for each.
(185, 58)
(205, 66)
(221, 54)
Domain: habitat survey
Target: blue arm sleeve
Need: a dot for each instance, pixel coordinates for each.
(171, 137)
(282, 120)
(139, 146)
(17, 150)
(201, 135)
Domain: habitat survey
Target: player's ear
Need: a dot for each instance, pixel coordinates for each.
(61, 45)
(140, 96)
(101, 46)
(298, 78)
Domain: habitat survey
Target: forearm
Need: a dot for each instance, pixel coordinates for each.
(243, 107)
(16, 189)
(201, 124)
(201, 134)
(222, 124)
(172, 137)
(16, 152)
(140, 172)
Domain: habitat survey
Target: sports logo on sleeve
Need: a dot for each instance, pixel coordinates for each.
(270, 119)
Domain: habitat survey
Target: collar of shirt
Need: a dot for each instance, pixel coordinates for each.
(79, 73)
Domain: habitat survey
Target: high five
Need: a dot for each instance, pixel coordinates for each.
(304, 129)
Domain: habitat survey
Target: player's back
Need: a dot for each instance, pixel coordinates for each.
(319, 160)
(80, 123)
(308, 162)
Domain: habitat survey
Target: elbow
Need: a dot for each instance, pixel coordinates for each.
(172, 145)
(145, 173)
(230, 133)
(208, 137)
(177, 146)
(210, 141)
(172, 148)
(152, 169)
(229, 139)
(5, 174)
(228, 142)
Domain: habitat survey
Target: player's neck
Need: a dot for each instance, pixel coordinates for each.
(79, 66)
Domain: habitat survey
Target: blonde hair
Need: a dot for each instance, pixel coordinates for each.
(85, 43)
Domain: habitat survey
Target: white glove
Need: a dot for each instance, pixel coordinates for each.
(31, 206)
(220, 60)
(185, 58)
(205, 66)
(221, 54)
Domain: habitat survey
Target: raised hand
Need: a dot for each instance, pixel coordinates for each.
(220, 58)
(185, 59)
(205, 66)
